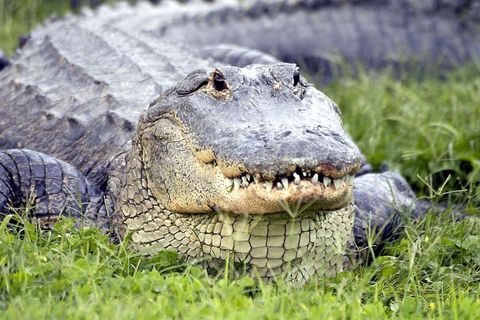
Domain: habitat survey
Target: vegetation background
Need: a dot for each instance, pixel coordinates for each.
(428, 128)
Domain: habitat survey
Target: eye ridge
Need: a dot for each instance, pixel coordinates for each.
(219, 82)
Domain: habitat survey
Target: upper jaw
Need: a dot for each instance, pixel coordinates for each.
(254, 192)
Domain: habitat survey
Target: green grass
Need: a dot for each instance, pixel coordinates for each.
(429, 130)
(17, 18)
(433, 272)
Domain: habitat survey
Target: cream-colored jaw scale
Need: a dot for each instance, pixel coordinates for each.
(271, 247)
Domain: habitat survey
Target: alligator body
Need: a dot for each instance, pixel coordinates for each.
(167, 123)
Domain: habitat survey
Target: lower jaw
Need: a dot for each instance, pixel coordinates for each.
(271, 247)
(252, 202)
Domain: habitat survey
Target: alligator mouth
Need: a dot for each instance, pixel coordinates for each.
(249, 193)
(283, 182)
(248, 189)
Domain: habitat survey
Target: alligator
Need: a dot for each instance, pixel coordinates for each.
(178, 126)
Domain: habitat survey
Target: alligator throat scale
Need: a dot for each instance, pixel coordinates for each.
(179, 125)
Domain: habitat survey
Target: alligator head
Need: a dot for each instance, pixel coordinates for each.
(229, 150)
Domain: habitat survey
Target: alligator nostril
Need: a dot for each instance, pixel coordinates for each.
(219, 81)
(296, 77)
(286, 133)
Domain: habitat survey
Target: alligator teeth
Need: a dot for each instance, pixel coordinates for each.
(269, 185)
(244, 181)
(337, 183)
(345, 179)
(229, 185)
(350, 180)
(296, 178)
(326, 181)
(236, 184)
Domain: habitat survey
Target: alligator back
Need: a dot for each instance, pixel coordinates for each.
(326, 34)
(76, 89)
(78, 86)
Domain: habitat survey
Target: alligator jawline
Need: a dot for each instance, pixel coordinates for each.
(245, 196)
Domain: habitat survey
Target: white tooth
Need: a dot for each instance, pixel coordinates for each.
(351, 178)
(326, 181)
(304, 173)
(337, 183)
(255, 179)
(296, 178)
(269, 185)
(285, 182)
(315, 178)
(229, 185)
(279, 186)
(249, 177)
(244, 181)
(236, 183)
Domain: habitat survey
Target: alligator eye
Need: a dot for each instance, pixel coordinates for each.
(296, 78)
(219, 82)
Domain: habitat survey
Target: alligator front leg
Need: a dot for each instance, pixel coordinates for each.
(382, 202)
(50, 188)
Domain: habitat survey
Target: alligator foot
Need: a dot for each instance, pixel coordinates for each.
(382, 203)
(48, 188)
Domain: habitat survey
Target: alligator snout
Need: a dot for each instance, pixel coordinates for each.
(273, 123)
(268, 156)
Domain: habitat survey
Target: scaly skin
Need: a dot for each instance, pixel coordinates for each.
(183, 152)
(270, 246)
(249, 226)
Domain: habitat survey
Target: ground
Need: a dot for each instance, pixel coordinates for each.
(427, 128)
